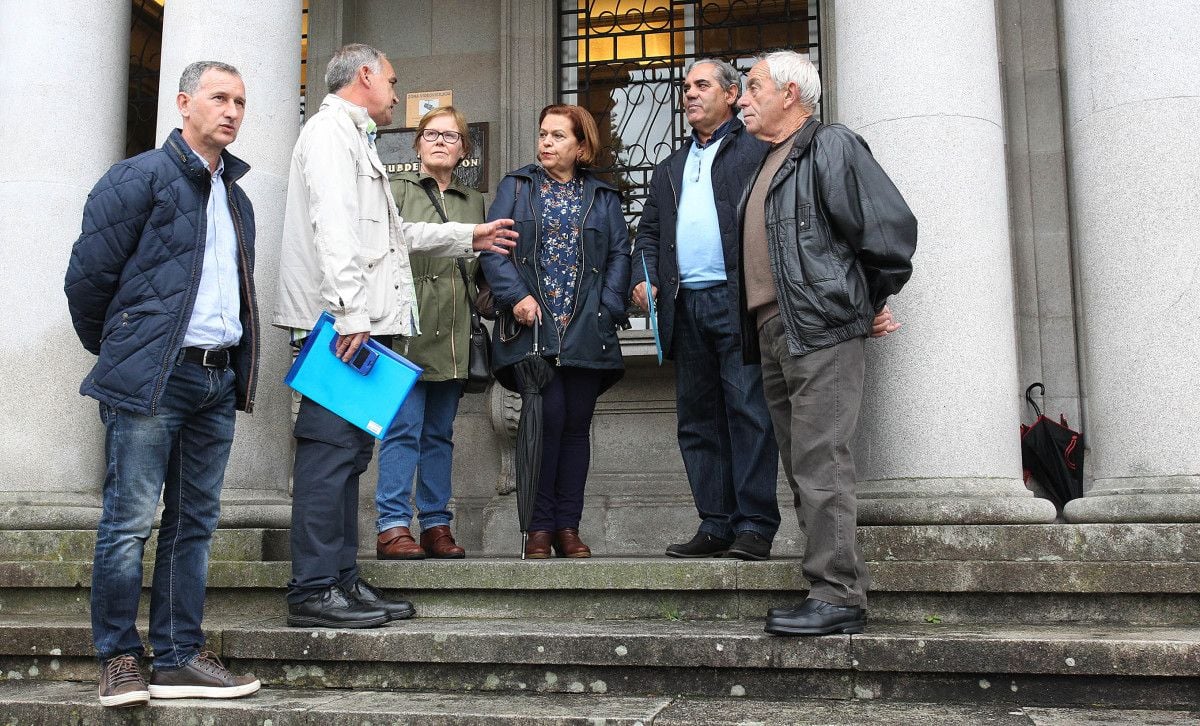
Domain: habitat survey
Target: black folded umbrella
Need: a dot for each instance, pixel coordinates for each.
(1053, 454)
(532, 374)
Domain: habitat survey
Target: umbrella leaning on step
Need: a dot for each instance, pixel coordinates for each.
(532, 374)
(1053, 453)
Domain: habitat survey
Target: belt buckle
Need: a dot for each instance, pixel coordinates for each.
(215, 358)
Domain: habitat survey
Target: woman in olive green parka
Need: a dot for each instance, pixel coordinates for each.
(420, 440)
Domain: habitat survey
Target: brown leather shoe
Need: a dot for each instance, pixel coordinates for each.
(568, 544)
(537, 547)
(398, 544)
(440, 544)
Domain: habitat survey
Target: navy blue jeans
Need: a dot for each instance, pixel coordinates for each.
(725, 433)
(568, 402)
(180, 453)
(420, 442)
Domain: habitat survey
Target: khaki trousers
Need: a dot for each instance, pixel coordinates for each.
(814, 402)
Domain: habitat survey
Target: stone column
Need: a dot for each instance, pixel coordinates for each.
(938, 434)
(527, 67)
(1133, 104)
(62, 124)
(261, 39)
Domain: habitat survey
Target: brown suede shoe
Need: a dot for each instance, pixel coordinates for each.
(538, 545)
(568, 544)
(440, 544)
(398, 544)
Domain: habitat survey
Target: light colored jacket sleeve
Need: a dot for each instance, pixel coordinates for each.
(451, 239)
(330, 173)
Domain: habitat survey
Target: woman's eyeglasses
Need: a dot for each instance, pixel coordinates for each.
(451, 137)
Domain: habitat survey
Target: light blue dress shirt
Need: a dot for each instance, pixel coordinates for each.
(697, 229)
(215, 322)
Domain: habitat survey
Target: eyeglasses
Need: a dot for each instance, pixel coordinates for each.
(451, 137)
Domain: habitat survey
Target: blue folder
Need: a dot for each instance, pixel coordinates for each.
(368, 396)
(652, 310)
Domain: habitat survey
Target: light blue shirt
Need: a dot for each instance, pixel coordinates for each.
(697, 229)
(215, 322)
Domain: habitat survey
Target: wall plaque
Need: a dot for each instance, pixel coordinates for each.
(395, 148)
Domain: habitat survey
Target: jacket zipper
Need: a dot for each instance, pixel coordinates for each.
(675, 194)
(537, 241)
(251, 380)
(201, 232)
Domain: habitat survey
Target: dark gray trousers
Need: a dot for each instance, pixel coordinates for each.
(331, 455)
(814, 402)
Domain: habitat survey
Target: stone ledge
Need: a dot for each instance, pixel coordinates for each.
(41, 703)
(912, 543)
(1047, 650)
(611, 574)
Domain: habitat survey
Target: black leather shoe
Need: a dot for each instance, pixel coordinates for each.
(702, 545)
(334, 608)
(372, 597)
(817, 617)
(751, 546)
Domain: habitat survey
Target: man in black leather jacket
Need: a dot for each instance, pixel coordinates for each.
(689, 237)
(826, 239)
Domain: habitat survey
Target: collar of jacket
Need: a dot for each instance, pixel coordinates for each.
(678, 160)
(591, 182)
(428, 181)
(193, 167)
(357, 113)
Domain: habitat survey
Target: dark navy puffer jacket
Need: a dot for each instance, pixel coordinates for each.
(134, 271)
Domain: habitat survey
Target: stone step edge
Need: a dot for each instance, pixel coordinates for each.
(1055, 650)
(614, 574)
(40, 702)
(1101, 542)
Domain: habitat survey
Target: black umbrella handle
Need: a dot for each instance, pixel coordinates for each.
(537, 349)
(1029, 397)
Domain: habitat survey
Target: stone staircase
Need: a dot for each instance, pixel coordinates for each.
(969, 624)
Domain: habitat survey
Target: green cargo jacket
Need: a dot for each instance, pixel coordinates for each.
(442, 302)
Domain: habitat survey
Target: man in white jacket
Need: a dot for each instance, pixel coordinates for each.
(345, 251)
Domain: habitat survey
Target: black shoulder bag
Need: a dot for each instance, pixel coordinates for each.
(479, 355)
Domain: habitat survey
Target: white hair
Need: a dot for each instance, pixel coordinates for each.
(788, 66)
(344, 65)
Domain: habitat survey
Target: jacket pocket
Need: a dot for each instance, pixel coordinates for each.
(374, 269)
(372, 210)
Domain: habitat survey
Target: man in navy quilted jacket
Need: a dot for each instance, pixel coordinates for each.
(161, 288)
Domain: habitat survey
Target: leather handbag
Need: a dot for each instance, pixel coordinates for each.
(479, 355)
(479, 348)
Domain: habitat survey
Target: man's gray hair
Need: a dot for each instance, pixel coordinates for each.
(727, 75)
(788, 66)
(189, 81)
(344, 64)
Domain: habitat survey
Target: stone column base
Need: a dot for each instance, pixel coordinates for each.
(1139, 499)
(951, 501)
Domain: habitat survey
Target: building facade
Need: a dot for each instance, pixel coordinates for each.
(1047, 148)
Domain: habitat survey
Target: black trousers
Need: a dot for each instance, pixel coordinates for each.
(331, 455)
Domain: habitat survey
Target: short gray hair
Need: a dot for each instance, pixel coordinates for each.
(189, 81)
(727, 75)
(788, 66)
(344, 64)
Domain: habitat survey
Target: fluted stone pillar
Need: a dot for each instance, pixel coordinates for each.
(527, 67)
(1133, 106)
(262, 39)
(938, 436)
(63, 94)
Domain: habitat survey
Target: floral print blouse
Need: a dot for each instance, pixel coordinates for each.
(561, 219)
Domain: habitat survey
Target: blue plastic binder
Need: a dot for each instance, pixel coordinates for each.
(652, 310)
(368, 396)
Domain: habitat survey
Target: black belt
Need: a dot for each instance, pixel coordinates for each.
(207, 358)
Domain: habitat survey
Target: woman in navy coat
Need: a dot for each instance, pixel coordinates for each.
(569, 276)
